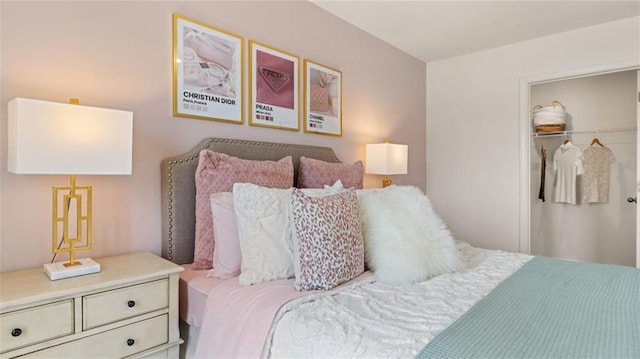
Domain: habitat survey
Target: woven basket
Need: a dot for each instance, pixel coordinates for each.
(550, 128)
(549, 119)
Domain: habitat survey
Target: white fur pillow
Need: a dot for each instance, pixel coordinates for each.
(405, 240)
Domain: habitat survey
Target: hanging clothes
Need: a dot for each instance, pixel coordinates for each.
(543, 170)
(567, 165)
(596, 161)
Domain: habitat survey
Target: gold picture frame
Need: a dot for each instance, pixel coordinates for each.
(274, 87)
(322, 99)
(207, 72)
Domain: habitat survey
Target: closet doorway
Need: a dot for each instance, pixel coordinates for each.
(603, 107)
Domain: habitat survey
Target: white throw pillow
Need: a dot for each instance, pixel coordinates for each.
(227, 257)
(405, 240)
(265, 231)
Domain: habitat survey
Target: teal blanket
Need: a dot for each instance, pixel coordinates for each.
(550, 308)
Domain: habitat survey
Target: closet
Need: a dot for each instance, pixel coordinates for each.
(601, 110)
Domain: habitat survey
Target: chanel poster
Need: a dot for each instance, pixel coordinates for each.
(322, 99)
(207, 72)
(274, 87)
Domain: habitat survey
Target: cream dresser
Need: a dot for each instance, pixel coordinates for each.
(129, 309)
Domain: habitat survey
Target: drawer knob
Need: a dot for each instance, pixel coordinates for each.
(130, 342)
(16, 332)
(131, 303)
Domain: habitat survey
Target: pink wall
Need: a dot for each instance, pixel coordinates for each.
(118, 55)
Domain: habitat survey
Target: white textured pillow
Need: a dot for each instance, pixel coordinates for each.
(265, 231)
(405, 240)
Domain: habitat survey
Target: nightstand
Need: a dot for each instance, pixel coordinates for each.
(129, 309)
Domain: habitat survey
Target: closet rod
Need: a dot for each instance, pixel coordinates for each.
(596, 131)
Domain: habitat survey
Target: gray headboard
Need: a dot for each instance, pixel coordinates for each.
(179, 188)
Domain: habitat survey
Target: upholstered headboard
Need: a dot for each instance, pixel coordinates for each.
(179, 188)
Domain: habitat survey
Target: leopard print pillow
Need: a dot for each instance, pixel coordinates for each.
(328, 244)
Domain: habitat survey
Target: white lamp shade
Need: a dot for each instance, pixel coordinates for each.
(58, 138)
(386, 159)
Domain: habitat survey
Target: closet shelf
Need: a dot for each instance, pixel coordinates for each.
(593, 131)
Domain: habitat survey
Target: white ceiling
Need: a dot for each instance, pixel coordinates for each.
(432, 30)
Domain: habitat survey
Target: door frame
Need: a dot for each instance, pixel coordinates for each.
(638, 170)
(632, 63)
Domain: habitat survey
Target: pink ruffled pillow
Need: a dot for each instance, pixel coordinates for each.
(328, 244)
(217, 172)
(317, 174)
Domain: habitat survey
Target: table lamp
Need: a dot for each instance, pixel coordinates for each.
(51, 138)
(386, 159)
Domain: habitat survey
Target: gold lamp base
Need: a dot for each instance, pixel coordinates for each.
(61, 270)
(73, 213)
(386, 181)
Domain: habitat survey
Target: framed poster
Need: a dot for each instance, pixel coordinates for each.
(273, 90)
(322, 99)
(207, 72)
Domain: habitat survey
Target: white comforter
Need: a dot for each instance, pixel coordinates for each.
(373, 320)
(363, 318)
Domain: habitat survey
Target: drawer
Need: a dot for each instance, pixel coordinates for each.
(163, 354)
(116, 343)
(116, 305)
(34, 325)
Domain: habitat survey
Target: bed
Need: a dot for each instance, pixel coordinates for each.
(458, 301)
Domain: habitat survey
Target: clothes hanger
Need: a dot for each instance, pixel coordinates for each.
(566, 141)
(596, 141)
